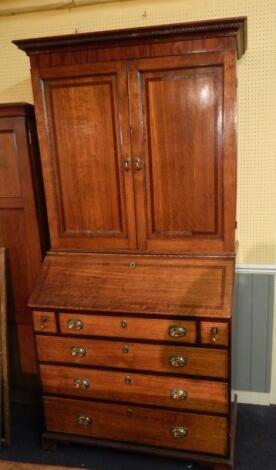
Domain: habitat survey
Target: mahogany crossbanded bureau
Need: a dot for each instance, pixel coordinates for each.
(132, 308)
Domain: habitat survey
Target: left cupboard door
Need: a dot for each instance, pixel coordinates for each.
(83, 123)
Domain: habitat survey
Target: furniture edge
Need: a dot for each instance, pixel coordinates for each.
(228, 26)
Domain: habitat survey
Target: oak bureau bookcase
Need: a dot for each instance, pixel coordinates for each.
(132, 308)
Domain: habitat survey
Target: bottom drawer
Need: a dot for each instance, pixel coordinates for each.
(160, 428)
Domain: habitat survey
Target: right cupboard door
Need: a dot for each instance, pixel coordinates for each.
(183, 148)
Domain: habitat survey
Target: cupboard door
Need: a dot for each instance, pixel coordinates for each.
(82, 113)
(183, 132)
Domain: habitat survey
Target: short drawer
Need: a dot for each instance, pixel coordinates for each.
(130, 355)
(187, 431)
(215, 333)
(44, 322)
(128, 327)
(174, 392)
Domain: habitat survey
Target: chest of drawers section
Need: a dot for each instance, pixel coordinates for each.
(159, 382)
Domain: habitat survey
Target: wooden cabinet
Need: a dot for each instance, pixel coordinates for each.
(23, 229)
(132, 307)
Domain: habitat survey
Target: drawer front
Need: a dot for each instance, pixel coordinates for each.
(44, 322)
(128, 327)
(174, 285)
(177, 430)
(175, 392)
(214, 333)
(173, 359)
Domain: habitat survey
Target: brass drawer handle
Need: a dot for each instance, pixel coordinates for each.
(43, 321)
(84, 420)
(75, 324)
(78, 351)
(81, 384)
(177, 331)
(179, 432)
(178, 361)
(178, 394)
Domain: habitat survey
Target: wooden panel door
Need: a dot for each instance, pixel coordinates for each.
(83, 122)
(183, 131)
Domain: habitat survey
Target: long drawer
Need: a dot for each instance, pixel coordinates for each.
(159, 358)
(174, 392)
(162, 428)
(128, 327)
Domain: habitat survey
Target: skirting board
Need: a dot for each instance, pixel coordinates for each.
(254, 398)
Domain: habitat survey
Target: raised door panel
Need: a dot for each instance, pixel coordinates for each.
(88, 189)
(178, 114)
(9, 174)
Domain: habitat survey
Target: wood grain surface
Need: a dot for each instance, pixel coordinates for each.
(136, 284)
(201, 395)
(137, 356)
(142, 425)
(9, 465)
(127, 327)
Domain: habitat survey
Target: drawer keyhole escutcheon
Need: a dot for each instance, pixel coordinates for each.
(43, 321)
(214, 334)
(84, 420)
(128, 379)
(124, 323)
(178, 394)
(129, 412)
(178, 361)
(179, 432)
(125, 348)
(75, 324)
(176, 331)
(81, 384)
(132, 264)
(78, 351)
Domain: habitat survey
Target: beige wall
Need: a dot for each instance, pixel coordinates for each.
(256, 92)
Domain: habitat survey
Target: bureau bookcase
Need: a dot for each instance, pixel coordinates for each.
(132, 308)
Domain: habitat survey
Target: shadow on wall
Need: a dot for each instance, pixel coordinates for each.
(20, 92)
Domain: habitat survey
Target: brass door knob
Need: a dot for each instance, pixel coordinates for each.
(138, 164)
(127, 164)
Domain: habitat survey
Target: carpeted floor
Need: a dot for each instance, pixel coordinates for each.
(256, 446)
